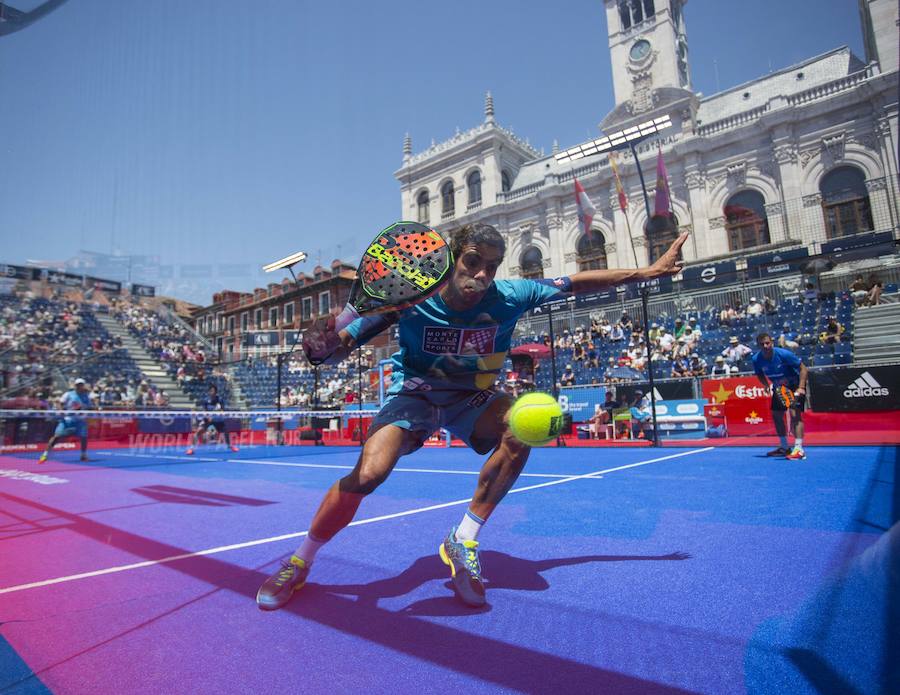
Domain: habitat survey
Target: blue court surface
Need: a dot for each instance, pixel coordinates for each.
(607, 571)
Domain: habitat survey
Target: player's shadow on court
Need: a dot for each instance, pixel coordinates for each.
(501, 571)
(183, 495)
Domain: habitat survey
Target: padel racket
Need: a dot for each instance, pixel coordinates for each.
(403, 266)
(785, 396)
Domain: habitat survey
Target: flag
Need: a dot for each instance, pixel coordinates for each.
(620, 191)
(662, 206)
(586, 209)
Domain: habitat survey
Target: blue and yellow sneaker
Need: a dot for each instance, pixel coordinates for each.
(465, 568)
(277, 590)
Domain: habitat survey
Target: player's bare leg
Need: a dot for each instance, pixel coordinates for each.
(337, 509)
(49, 448)
(459, 550)
(781, 430)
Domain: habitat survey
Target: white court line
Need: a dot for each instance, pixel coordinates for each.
(159, 456)
(401, 470)
(299, 534)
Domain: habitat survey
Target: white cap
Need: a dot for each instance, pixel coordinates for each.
(80, 381)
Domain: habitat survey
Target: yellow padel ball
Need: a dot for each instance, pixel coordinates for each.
(535, 418)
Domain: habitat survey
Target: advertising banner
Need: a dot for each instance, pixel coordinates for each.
(19, 272)
(743, 388)
(143, 290)
(856, 389)
(674, 390)
(661, 285)
(105, 285)
(748, 417)
(580, 403)
(857, 241)
(56, 278)
(769, 264)
(710, 275)
(261, 339)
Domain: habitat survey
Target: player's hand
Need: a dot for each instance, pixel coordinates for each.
(800, 391)
(321, 340)
(668, 263)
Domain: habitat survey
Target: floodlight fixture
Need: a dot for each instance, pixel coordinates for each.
(286, 262)
(616, 141)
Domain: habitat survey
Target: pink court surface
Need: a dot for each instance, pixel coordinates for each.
(635, 570)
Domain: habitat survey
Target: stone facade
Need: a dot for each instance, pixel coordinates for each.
(778, 136)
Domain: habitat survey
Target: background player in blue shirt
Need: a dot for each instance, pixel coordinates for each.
(211, 402)
(452, 347)
(79, 398)
(777, 367)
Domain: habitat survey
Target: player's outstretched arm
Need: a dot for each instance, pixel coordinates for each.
(667, 264)
(332, 338)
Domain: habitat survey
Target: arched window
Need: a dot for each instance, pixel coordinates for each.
(505, 181)
(591, 252)
(532, 263)
(473, 182)
(745, 220)
(422, 204)
(660, 231)
(845, 202)
(448, 200)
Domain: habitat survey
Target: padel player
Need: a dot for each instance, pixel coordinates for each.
(212, 402)
(79, 398)
(452, 347)
(786, 374)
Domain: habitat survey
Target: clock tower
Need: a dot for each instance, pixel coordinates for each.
(649, 52)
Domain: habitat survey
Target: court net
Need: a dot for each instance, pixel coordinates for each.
(262, 432)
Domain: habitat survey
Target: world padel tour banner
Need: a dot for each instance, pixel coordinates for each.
(855, 389)
(580, 403)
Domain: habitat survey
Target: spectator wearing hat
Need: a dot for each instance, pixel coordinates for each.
(754, 308)
(769, 306)
(721, 368)
(681, 367)
(736, 351)
(568, 377)
(666, 342)
(655, 332)
(608, 372)
(692, 324)
(681, 349)
(679, 328)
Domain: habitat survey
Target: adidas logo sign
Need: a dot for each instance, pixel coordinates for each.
(865, 385)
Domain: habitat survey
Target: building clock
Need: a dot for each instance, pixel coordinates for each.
(640, 49)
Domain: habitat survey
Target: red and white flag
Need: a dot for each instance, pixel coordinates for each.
(663, 204)
(586, 209)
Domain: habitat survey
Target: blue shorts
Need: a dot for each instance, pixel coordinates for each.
(424, 413)
(70, 427)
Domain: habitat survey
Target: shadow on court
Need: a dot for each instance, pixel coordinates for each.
(405, 632)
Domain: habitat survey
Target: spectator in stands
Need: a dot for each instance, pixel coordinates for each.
(617, 334)
(859, 290)
(143, 397)
(690, 339)
(681, 349)
(655, 332)
(578, 353)
(626, 322)
(568, 376)
(593, 361)
(162, 399)
(681, 367)
(769, 306)
(605, 329)
(832, 333)
(695, 328)
(608, 372)
(808, 293)
(788, 339)
(754, 308)
(667, 342)
(679, 328)
(736, 351)
(727, 315)
(721, 368)
(697, 365)
(875, 289)
(739, 311)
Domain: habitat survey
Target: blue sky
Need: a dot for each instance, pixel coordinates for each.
(219, 135)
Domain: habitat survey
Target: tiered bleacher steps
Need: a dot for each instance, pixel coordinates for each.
(150, 368)
(877, 334)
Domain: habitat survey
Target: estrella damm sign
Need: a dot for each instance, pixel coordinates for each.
(406, 270)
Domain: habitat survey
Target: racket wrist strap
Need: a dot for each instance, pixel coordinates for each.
(345, 318)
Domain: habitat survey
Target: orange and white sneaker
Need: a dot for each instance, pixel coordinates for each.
(796, 454)
(235, 449)
(189, 452)
(43, 458)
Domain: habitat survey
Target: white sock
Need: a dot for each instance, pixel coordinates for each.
(469, 527)
(798, 442)
(308, 549)
(783, 440)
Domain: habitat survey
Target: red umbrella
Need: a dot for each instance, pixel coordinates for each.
(537, 351)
